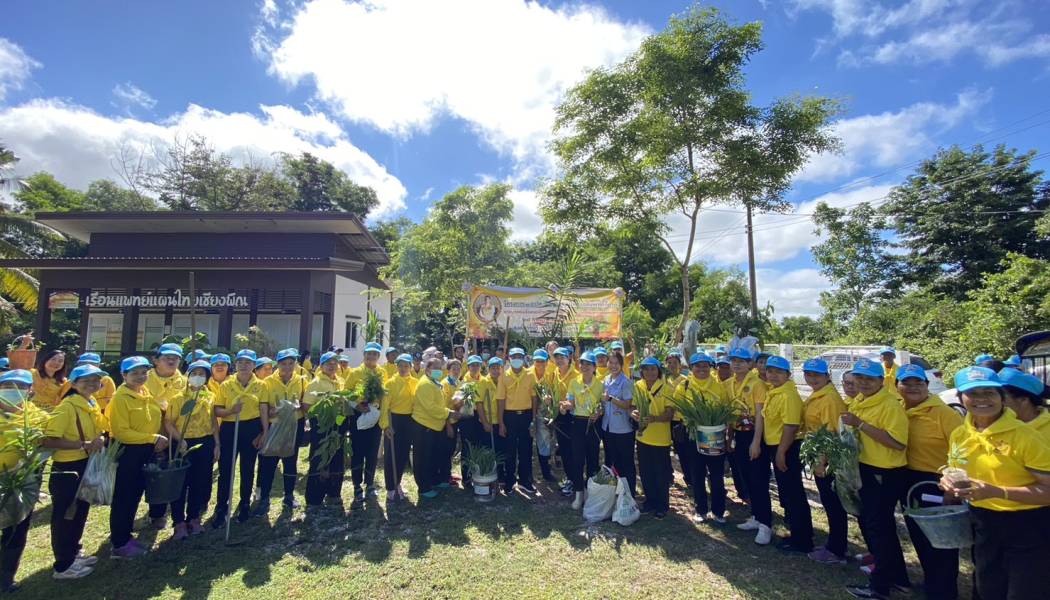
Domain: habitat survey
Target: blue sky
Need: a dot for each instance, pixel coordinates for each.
(416, 97)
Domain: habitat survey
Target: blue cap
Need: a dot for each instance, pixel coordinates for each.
(171, 349)
(263, 361)
(720, 348)
(651, 361)
(344, 358)
(287, 353)
(405, 358)
(516, 351)
(390, 350)
(220, 358)
(327, 356)
(700, 357)
(600, 351)
(17, 375)
(740, 353)
(674, 352)
(778, 362)
(814, 365)
(563, 351)
(976, 377)
(89, 358)
(540, 354)
(195, 355)
(248, 354)
(1013, 361)
(760, 354)
(5, 363)
(723, 361)
(133, 362)
(374, 347)
(1022, 381)
(866, 366)
(911, 371)
(887, 349)
(474, 359)
(589, 357)
(199, 364)
(983, 358)
(496, 361)
(617, 345)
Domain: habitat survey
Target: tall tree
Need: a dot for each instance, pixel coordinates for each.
(106, 195)
(320, 186)
(853, 256)
(671, 130)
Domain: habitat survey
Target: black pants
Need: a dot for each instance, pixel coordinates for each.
(12, 544)
(685, 449)
(939, 566)
(427, 457)
(447, 450)
(325, 481)
(792, 495)
(196, 491)
(740, 462)
(246, 454)
(364, 444)
(66, 533)
(469, 430)
(1011, 553)
(709, 470)
(838, 520)
(563, 434)
(127, 492)
(518, 447)
(396, 451)
(585, 460)
(879, 493)
(619, 450)
(289, 468)
(653, 462)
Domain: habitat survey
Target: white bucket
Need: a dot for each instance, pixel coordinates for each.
(483, 486)
(711, 440)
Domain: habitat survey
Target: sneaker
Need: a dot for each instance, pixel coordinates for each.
(86, 559)
(372, 492)
(764, 535)
(244, 515)
(444, 485)
(698, 518)
(787, 546)
(218, 521)
(195, 527)
(262, 509)
(159, 523)
(429, 495)
(128, 550)
(864, 591)
(659, 514)
(75, 571)
(401, 493)
(577, 502)
(749, 525)
(646, 509)
(864, 559)
(528, 488)
(291, 502)
(826, 557)
(867, 569)
(716, 518)
(181, 532)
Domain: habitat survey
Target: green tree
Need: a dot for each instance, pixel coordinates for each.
(106, 195)
(721, 304)
(798, 330)
(671, 130)
(319, 186)
(41, 192)
(853, 257)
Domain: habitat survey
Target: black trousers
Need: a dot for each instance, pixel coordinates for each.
(1011, 553)
(653, 462)
(447, 449)
(66, 533)
(196, 491)
(246, 454)
(619, 451)
(740, 462)
(685, 449)
(427, 457)
(469, 430)
(879, 494)
(327, 481)
(364, 444)
(396, 451)
(12, 544)
(838, 519)
(940, 567)
(518, 447)
(584, 461)
(563, 434)
(793, 496)
(289, 468)
(709, 470)
(127, 492)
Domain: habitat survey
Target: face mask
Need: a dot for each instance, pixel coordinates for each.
(435, 374)
(516, 363)
(12, 397)
(197, 380)
(485, 355)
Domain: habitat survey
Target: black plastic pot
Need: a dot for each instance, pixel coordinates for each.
(165, 485)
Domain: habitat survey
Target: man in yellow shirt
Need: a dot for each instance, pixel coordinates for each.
(700, 470)
(390, 367)
(516, 405)
(888, 354)
(364, 441)
(241, 399)
(396, 420)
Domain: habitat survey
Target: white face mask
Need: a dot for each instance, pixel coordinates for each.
(12, 397)
(197, 380)
(516, 363)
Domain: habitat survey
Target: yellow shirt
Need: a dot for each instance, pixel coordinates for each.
(750, 392)
(655, 434)
(783, 407)
(134, 417)
(47, 392)
(321, 384)
(277, 390)
(601, 372)
(165, 389)
(487, 399)
(694, 385)
(884, 411)
(823, 407)
(63, 425)
(560, 383)
(399, 398)
(251, 395)
(308, 365)
(1042, 424)
(429, 408)
(516, 389)
(213, 385)
(675, 380)
(1004, 454)
(390, 369)
(11, 424)
(448, 389)
(930, 427)
(890, 380)
(201, 420)
(588, 398)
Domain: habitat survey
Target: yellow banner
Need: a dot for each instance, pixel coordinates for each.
(530, 310)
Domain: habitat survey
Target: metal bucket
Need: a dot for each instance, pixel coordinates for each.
(947, 527)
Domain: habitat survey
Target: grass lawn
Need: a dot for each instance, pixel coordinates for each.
(450, 547)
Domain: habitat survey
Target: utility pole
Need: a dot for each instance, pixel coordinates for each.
(751, 264)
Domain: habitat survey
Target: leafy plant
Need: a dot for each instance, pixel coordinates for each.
(841, 452)
(20, 484)
(561, 297)
(643, 401)
(330, 411)
(255, 339)
(483, 460)
(701, 410)
(469, 393)
(548, 400)
(373, 328)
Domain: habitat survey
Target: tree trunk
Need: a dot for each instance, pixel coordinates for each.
(686, 299)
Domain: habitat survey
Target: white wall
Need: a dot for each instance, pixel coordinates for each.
(350, 305)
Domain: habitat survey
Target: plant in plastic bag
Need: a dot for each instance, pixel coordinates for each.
(841, 453)
(100, 476)
(20, 484)
(280, 437)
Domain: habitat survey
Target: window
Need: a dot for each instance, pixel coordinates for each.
(103, 335)
(351, 335)
(206, 324)
(151, 331)
(283, 329)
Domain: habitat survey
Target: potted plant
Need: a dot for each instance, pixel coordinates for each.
(708, 419)
(469, 394)
(164, 480)
(482, 463)
(21, 354)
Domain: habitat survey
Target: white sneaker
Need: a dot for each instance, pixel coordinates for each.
(86, 559)
(716, 519)
(698, 518)
(749, 525)
(764, 535)
(577, 501)
(75, 571)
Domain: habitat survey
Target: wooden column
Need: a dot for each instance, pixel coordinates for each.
(130, 327)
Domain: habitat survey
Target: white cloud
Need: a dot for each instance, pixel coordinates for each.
(79, 146)
(15, 67)
(129, 95)
(526, 223)
(871, 19)
(794, 292)
(398, 65)
(891, 138)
